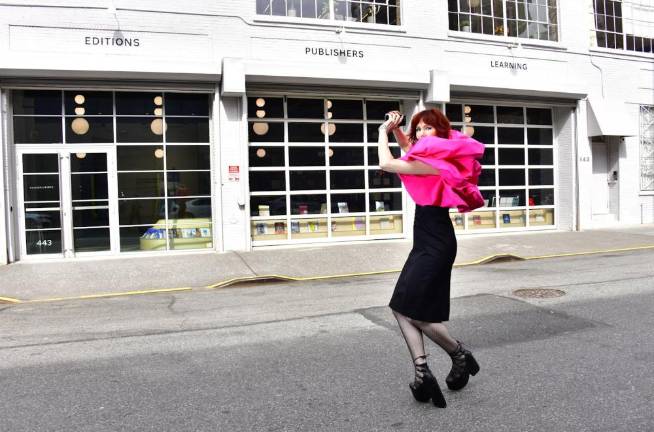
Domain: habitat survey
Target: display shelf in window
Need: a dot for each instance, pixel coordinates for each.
(309, 228)
(192, 233)
(386, 224)
(270, 229)
(512, 218)
(348, 226)
(480, 220)
(458, 220)
(539, 217)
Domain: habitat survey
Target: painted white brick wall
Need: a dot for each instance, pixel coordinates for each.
(565, 166)
(190, 39)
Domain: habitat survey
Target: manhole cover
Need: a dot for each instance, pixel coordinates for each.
(538, 293)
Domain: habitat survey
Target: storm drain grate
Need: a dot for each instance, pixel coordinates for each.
(538, 293)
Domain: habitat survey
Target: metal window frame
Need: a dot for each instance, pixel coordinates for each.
(467, 218)
(111, 149)
(328, 191)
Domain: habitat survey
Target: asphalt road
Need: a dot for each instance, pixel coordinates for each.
(327, 356)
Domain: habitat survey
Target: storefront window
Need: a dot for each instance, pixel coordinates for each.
(534, 19)
(162, 155)
(313, 169)
(365, 11)
(647, 148)
(517, 178)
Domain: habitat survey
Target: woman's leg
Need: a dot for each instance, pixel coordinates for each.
(438, 333)
(425, 386)
(463, 362)
(412, 335)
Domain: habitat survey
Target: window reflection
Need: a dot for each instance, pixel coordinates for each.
(37, 130)
(345, 132)
(348, 203)
(37, 102)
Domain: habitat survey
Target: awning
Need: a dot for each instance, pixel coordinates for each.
(609, 118)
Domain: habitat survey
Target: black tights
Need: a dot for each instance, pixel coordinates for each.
(412, 330)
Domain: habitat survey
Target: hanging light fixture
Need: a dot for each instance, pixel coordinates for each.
(260, 102)
(260, 128)
(159, 153)
(80, 155)
(261, 153)
(331, 128)
(261, 113)
(157, 126)
(80, 126)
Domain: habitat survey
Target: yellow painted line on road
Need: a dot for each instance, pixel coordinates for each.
(9, 300)
(600, 251)
(108, 295)
(228, 282)
(233, 281)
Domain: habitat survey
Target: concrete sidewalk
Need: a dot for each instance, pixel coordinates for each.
(23, 282)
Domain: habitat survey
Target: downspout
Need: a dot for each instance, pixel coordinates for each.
(575, 177)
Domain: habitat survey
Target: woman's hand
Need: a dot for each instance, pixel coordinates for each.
(394, 118)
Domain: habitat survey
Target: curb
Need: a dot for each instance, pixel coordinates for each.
(495, 258)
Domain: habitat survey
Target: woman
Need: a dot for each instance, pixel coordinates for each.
(439, 170)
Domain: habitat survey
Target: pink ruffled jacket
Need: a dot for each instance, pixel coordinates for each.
(456, 159)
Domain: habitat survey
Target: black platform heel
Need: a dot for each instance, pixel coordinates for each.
(425, 386)
(463, 365)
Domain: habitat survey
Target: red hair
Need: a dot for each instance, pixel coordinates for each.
(434, 118)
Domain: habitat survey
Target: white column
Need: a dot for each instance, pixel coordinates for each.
(584, 167)
(629, 171)
(234, 185)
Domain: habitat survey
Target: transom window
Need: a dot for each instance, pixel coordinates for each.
(647, 148)
(314, 172)
(530, 19)
(517, 178)
(625, 24)
(367, 11)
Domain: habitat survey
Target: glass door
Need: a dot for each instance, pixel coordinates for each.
(41, 209)
(67, 208)
(88, 202)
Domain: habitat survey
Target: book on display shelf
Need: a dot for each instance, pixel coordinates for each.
(295, 226)
(280, 228)
(262, 228)
(386, 223)
(506, 201)
(264, 210)
(342, 207)
(506, 218)
(476, 219)
(303, 208)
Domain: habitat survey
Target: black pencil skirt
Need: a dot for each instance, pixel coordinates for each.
(422, 291)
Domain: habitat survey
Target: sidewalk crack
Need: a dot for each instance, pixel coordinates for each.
(246, 263)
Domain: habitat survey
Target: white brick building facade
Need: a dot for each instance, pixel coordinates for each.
(566, 121)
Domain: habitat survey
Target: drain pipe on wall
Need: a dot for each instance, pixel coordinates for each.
(4, 232)
(575, 176)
